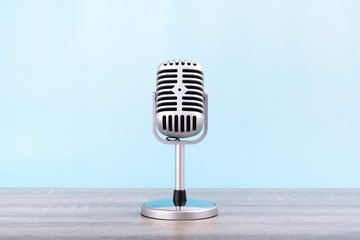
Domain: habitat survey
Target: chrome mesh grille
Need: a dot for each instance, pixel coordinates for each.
(180, 98)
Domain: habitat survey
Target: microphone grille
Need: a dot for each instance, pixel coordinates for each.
(180, 98)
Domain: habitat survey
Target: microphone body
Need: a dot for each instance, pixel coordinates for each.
(180, 99)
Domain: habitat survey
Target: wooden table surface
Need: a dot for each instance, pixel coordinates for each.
(243, 214)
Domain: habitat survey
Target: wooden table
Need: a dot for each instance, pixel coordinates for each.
(243, 214)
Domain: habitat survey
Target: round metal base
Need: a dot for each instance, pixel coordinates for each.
(193, 209)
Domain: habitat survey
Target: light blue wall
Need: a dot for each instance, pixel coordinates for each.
(76, 79)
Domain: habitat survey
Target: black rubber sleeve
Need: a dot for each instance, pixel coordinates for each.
(179, 198)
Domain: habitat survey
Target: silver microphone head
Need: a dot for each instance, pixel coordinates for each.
(180, 99)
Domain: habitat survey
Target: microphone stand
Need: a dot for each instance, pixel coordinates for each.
(180, 208)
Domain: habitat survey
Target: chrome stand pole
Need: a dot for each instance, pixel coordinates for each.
(179, 167)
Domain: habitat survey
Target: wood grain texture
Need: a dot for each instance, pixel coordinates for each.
(243, 214)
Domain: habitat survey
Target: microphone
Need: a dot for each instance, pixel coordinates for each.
(180, 111)
(179, 106)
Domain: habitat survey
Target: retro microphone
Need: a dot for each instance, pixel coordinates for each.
(180, 110)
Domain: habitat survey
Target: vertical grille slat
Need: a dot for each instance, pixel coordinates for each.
(182, 123)
(176, 123)
(188, 126)
(164, 122)
(170, 123)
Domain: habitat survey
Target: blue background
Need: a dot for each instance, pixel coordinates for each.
(76, 79)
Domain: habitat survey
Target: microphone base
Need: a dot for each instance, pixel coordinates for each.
(193, 209)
